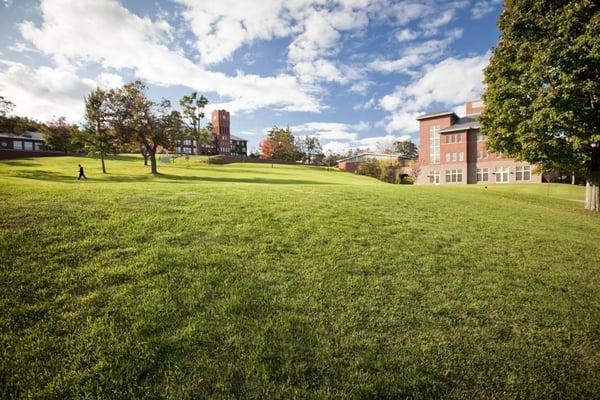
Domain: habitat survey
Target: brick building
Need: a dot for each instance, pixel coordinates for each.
(222, 142)
(452, 151)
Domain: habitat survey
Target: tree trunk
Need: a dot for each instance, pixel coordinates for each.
(153, 167)
(102, 161)
(592, 191)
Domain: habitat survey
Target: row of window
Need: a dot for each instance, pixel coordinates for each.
(455, 156)
(452, 176)
(454, 138)
(480, 137)
(522, 173)
(25, 145)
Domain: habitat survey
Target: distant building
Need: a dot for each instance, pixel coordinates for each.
(29, 141)
(452, 151)
(222, 142)
(351, 164)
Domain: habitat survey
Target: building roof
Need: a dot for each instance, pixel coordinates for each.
(27, 135)
(239, 139)
(439, 113)
(398, 155)
(463, 124)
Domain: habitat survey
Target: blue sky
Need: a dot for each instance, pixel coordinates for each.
(355, 73)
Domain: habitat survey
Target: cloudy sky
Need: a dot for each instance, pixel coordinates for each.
(353, 72)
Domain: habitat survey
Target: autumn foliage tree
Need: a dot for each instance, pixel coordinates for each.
(279, 144)
(543, 88)
(59, 135)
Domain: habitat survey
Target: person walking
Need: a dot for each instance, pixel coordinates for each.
(81, 173)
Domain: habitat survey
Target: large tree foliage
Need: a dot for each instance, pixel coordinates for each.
(137, 119)
(280, 144)
(192, 112)
(543, 88)
(60, 135)
(407, 148)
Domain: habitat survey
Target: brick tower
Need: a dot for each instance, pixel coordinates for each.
(220, 122)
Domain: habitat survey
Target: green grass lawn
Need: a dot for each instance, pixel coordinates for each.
(246, 281)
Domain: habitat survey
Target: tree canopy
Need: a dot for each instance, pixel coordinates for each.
(543, 88)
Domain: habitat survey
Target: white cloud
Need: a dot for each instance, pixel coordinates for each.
(366, 106)
(335, 131)
(484, 7)
(221, 27)
(406, 35)
(362, 86)
(416, 55)
(109, 81)
(44, 93)
(450, 82)
(107, 33)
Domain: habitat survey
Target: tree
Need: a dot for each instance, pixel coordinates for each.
(280, 144)
(414, 169)
(407, 148)
(6, 107)
(59, 135)
(97, 135)
(312, 147)
(206, 135)
(139, 120)
(543, 88)
(192, 112)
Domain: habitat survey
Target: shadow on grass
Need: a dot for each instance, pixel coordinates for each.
(43, 175)
(20, 163)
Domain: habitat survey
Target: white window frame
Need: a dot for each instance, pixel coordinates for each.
(434, 177)
(19, 146)
(461, 156)
(434, 144)
(503, 173)
(522, 171)
(482, 174)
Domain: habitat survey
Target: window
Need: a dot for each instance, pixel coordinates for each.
(447, 157)
(498, 154)
(434, 177)
(448, 139)
(461, 156)
(480, 137)
(523, 173)
(17, 145)
(454, 175)
(458, 138)
(501, 174)
(39, 146)
(434, 144)
(482, 174)
(454, 156)
(28, 145)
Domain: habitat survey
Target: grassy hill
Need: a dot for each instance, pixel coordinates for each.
(246, 281)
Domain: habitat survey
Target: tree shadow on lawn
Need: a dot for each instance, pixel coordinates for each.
(50, 176)
(20, 163)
